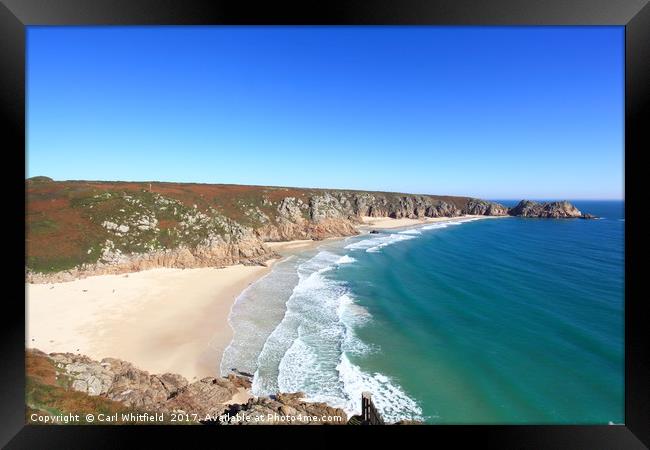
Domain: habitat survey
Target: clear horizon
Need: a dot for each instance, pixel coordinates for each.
(490, 112)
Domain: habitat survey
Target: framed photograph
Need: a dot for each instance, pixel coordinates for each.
(416, 216)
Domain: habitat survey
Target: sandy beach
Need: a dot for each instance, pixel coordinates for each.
(290, 247)
(388, 222)
(161, 320)
(286, 248)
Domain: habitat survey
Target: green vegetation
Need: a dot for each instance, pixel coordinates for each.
(48, 393)
(54, 264)
(39, 179)
(43, 226)
(72, 223)
(82, 222)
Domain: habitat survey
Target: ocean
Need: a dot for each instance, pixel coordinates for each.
(490, 321)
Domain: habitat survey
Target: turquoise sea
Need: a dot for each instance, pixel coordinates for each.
(498, 320)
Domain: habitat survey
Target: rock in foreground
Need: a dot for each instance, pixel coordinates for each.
(209, 400)
(282, 409)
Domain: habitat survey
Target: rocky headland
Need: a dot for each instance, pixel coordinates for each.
(550, 210)
(76, 228)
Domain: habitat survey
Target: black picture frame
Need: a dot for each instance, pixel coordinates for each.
(634, 15)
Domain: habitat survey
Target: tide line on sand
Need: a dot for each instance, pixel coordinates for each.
(161, 320)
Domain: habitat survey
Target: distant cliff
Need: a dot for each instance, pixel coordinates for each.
(80, 228)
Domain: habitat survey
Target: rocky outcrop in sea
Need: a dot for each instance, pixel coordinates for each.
(549, 210)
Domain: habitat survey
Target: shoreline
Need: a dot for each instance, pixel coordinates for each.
(160, 319)
(387, 223)
(288, 248)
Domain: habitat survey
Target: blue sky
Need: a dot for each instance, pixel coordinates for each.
(497, 112)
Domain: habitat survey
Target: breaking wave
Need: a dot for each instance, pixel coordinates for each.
(389, 398)
(411, 231)
(313, 346)
(309, 350)
(345, 259)
(375, 244)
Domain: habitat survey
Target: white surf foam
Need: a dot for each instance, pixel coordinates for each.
(309, 350)
(250, 328)
(303, 350)
(345, 259)
(435, 226)
(390, 399)
(439, 225)
(352, 316)
(411, 231)
(375, 244)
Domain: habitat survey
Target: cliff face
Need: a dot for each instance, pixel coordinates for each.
(218, 253)
(485, 208)
(78, 228)
(75, 229)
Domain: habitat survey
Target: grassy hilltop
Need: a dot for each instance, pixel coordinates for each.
(69, 223)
